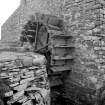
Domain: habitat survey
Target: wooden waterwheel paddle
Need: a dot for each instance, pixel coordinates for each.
(36, 34)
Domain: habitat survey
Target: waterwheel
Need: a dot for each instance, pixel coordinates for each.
(36, 34)
(36, 30)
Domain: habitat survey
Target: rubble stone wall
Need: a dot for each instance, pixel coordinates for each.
(85, 21)
(25, 79)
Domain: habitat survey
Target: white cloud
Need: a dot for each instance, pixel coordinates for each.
(7, 7)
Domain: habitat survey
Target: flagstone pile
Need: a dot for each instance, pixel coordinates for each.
(27, 78)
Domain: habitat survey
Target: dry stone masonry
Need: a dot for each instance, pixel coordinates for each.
(85, 21)
(27, 78)
(78, 46)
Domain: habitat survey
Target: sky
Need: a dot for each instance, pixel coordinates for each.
(7, 7)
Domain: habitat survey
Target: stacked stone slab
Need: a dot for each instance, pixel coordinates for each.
(85, 21)
(27, 78)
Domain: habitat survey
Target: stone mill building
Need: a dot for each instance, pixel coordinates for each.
(72, 34)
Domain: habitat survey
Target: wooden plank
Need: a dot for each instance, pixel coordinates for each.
(62, 35)
(53, 27)
(60, 68)
(63, 46)
(62, 58)
(55, 32)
